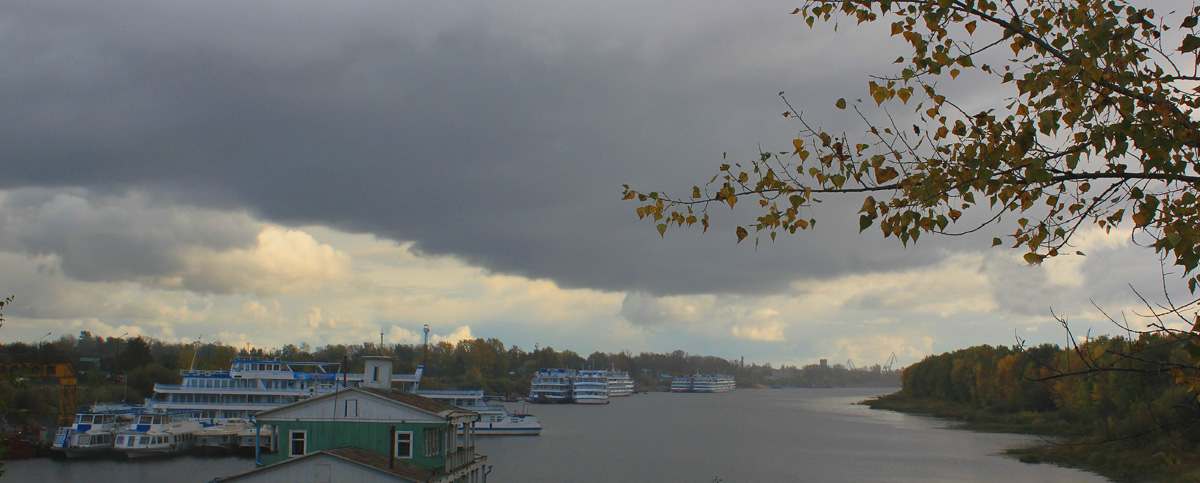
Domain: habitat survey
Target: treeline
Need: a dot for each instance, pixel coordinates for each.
(1114, 399)
(115, 369)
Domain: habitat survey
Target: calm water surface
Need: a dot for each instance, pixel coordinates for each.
(743, 436)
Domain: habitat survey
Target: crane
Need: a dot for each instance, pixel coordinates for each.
(887, 366)
(67, 384)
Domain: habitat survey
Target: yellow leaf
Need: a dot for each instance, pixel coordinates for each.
(629, 195)
(970, 27)
(799, 144)
(695, 192)
(868, 205)
(741, 234)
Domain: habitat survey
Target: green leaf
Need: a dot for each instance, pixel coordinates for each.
(1190, 43)
(864, 222)
(841, 103)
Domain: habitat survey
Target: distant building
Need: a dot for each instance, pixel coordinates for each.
(824, 362)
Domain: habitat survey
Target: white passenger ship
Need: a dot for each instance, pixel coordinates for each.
(703, 383)
(590, 387)
(619, 384)
(251, 385)
(552, 386)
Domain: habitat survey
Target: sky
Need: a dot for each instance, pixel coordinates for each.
(278, 172)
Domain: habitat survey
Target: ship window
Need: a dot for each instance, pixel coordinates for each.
(299, 442)
(403, 444)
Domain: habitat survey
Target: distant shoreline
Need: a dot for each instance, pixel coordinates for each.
(1062, 446)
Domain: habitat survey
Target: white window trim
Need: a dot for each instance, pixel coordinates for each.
(292, 437)
(411, 443)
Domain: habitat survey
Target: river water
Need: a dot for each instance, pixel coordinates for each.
(780, 435)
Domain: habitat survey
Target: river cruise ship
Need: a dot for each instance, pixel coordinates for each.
(590, 387)
(252, 385)
(681, 384)
(703, 383)
(619, 384)
(552, 386)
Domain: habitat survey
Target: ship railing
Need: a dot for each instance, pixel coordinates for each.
(190, 372)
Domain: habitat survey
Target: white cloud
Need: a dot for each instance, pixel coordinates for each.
(459, 334)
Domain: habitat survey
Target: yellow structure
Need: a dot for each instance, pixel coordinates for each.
(67, 384)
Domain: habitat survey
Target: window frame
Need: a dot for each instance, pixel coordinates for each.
(303, 440)
(408, 442)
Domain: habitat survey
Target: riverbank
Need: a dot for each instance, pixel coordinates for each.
(1146, 455)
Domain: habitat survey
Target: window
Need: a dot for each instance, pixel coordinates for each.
(433, 442)
(351, 408)
(403, 444)
(299, 442)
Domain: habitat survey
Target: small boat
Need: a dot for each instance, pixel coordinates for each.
(256, 436)
(91, 434)
(158, 433)
(224, 437)
(494, 419)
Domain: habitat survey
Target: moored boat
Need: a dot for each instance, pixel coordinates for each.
(551, 386)
(253, 385)
(224, 437)
(155, 433)
(91, 434)
(681, 384)
(590, 387)
(619, 384)
(703, 383)
(494, 419)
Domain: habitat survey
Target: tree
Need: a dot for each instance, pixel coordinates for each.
(1096, 129)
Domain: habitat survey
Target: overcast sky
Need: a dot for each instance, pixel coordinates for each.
(277, 172)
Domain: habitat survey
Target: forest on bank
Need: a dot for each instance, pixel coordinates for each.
(113, 369)
(1112, 404)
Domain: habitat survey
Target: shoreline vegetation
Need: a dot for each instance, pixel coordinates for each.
(1093, 409)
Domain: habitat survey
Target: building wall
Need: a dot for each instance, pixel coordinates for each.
(375, 437)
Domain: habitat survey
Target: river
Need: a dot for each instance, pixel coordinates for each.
(779, 435)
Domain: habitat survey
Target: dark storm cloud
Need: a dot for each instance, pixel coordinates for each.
(500, 135)
(105, 239)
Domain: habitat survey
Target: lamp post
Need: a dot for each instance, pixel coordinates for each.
(40, 359)
(124, 377)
